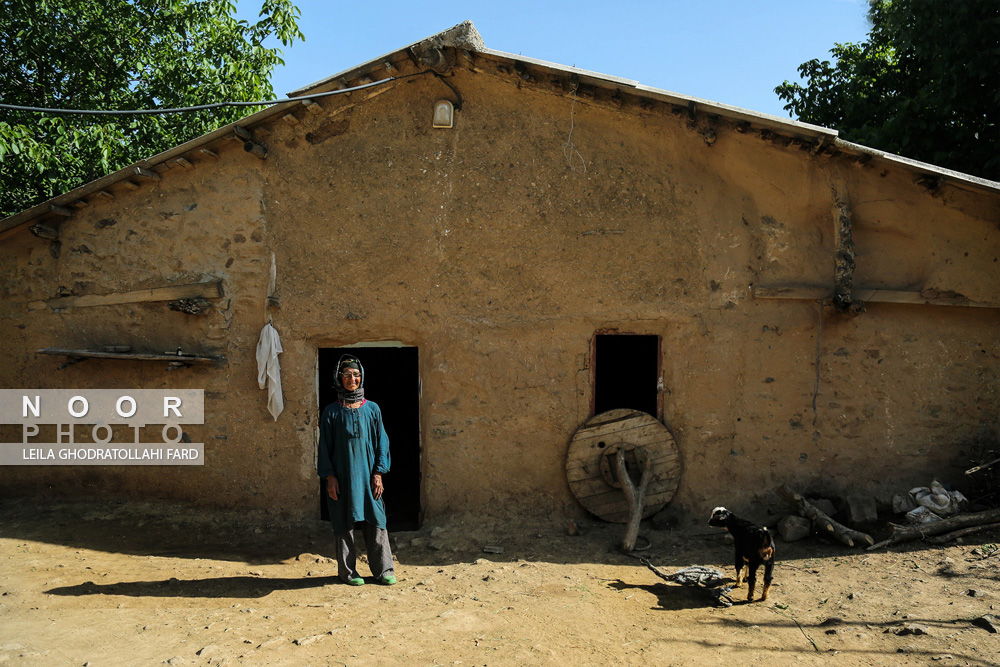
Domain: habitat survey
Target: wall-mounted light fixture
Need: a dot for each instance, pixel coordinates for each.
(444, 114)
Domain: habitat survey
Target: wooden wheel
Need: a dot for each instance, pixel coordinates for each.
(590, 471)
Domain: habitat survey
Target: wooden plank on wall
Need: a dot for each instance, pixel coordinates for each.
(802, 293)
(207, 290)
(131, 356)
(924, 298)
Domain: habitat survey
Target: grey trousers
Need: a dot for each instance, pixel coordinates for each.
(379, 552)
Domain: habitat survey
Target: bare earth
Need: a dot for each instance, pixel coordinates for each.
(138, 584)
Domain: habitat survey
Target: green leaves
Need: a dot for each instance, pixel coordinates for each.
(924, 84)
(121, 54)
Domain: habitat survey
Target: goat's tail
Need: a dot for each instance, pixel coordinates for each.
(767, 548)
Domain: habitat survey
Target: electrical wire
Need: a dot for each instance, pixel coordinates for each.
(214, 105)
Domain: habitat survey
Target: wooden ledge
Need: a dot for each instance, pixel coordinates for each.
(133, 356)
(207, 290)
(927, 297)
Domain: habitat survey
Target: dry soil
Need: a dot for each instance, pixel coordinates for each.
(139, 584)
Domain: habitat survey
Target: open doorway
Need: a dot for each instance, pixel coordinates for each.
(626, 373)
(392, 381)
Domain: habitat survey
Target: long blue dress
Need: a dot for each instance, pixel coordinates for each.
(353, 445)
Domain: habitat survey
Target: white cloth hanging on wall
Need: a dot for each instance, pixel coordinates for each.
(269, 370)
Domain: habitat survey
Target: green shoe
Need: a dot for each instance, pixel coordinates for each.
(387, 580)
(357, 581)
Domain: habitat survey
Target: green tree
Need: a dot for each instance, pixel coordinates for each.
(121, 54)
(925, 84)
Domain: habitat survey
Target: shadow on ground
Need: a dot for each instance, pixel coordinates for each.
(256, 538)
(210, 587)
(672, 597)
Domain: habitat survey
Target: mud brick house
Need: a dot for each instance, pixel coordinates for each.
(792, 307)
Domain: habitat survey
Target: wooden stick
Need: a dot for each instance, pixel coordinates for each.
(944, 539)
(981, 467)
(821, 521)
(907, 533)
(636, 497)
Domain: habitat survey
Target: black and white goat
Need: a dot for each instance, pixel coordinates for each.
(754, 546)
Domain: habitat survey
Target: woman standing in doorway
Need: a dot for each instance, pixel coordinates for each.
(353, 456)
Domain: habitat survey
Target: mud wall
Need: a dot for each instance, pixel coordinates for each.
(498, 248)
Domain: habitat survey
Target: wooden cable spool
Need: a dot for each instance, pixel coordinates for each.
(590, 463)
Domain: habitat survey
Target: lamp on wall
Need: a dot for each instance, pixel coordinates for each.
(444, 114)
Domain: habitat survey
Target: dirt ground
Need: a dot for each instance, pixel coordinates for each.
(140, 584)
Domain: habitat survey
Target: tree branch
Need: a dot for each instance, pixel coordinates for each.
(821, 521)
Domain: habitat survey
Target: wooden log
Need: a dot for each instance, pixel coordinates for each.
(821, 521)
(844, 262)
(972, 530)
(45, 232)
(147, 174)
(907, 533)
(635, 496)
(255, 149)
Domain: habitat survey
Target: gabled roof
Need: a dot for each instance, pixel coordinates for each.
(465, 41)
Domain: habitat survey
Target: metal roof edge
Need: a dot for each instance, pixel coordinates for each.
(740, 113)
(950, 175)
(582, 73)
(755, 117)
(464, 35)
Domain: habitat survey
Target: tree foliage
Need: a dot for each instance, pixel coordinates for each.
(925, 84)
(121, 54)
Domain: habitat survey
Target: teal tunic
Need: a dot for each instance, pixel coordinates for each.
(353, 445)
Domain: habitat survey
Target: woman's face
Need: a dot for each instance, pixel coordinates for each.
(351, 379)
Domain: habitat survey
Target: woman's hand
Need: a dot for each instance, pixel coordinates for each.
(377, 485)
(333, 487)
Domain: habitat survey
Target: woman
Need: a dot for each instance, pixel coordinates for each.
(353, 456)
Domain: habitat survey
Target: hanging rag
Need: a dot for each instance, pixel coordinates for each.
(269, 370)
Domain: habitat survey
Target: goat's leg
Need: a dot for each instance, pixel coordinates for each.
(768, 570)
(751, 580)
(739, 570)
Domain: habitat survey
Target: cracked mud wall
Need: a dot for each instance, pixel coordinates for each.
(498, 253)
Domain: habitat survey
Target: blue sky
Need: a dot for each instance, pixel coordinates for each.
(728, 51)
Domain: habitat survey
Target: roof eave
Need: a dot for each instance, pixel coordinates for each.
(67, 198)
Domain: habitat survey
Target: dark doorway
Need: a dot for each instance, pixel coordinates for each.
(392, 380)
(626, 372)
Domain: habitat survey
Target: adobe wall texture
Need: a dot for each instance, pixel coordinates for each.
(499, 248)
